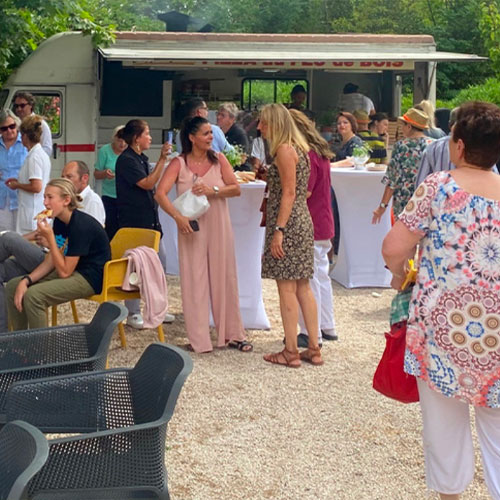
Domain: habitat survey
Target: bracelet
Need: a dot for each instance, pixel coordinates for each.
(30, 281)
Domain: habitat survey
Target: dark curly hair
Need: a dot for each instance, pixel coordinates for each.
(478, 126)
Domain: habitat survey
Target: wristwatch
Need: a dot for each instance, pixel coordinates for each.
(383, 205)
(279, 228)
(27, 277)
(216, 189)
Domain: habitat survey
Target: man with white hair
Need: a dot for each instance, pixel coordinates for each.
(19, 255)
(226, 120)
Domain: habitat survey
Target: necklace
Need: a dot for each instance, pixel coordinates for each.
(198, 162)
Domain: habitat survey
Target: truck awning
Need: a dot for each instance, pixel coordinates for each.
(282, 55)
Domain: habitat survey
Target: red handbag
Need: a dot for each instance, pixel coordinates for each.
(389, 378)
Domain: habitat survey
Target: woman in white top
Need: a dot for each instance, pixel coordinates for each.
(33, 176)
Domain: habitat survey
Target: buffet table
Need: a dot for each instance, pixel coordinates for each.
(248, 240)
(359, 262)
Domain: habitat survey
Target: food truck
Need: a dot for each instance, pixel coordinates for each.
(85, 91)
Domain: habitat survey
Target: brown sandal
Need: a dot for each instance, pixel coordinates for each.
(284, 358)
(312, 355)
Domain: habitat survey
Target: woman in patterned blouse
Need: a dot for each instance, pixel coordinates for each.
(453, 332)
(403, 167)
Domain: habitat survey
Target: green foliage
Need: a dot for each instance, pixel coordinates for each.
(263, 91)
(490, 30)
(406, 102)
(235, 156)
(25, 24)
(488, 91)
(471, 26)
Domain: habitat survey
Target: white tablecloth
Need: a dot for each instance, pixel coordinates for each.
(248, 241)
(360, 260)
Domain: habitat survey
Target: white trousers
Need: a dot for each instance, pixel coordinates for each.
(321, 287)
(448, 447)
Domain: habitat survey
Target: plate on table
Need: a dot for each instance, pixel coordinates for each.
(244, 177)
(374, 167)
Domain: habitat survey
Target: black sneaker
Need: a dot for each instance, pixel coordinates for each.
(327, 336)
(303, 341)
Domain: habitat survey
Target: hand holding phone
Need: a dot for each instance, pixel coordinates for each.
(194, 225)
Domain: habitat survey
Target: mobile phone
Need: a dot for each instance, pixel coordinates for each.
(168, 136)
(194, 225)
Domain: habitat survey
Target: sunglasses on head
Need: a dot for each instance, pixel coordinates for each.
(21, 105)
(12, 126)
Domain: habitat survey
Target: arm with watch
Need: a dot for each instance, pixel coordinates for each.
(32, 278)
(379, 211)
(230, 188)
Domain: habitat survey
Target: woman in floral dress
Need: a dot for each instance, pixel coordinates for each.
(453, 334)
(289, 247)
(403, 167)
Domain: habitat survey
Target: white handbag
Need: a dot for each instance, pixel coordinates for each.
(191, 205)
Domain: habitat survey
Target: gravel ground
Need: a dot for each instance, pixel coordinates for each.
(245, 429)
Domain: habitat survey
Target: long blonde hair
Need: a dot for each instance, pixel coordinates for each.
(281, 128)
(428, 108)
(311, 135)
(67, 188)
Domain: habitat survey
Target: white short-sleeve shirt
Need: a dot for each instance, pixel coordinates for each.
(35, 166)
(92, 205)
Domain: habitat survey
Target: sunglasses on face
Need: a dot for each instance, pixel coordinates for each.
(12, 126)
(21, 105)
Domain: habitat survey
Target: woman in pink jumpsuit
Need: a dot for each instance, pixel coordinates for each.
(206, 256)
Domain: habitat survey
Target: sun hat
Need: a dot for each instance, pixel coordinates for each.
(415, 118)
(361, 116)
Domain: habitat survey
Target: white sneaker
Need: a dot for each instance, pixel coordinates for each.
(135, 321)
(169, 318)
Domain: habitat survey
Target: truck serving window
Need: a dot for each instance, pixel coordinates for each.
(131, 91)
(257, 92)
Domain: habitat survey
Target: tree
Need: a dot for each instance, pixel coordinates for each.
(24, 24)
(490, 31)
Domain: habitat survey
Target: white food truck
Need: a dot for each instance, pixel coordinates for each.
(85, 91)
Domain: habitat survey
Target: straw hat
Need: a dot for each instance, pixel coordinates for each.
(361, 116)
(415, 118)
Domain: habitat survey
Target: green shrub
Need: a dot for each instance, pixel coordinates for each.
(488, 91)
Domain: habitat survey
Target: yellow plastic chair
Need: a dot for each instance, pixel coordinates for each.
(115, 269)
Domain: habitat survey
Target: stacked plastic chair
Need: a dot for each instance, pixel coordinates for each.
(44, 352)
(23, 451)
(125, 413)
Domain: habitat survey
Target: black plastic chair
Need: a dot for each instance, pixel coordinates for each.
(127, 411)
(45, 352)
(23, 451)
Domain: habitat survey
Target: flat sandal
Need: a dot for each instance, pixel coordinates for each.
(284, 358)
(312, 355)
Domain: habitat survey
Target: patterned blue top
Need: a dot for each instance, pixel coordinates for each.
(11, 161)
(453, 334)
